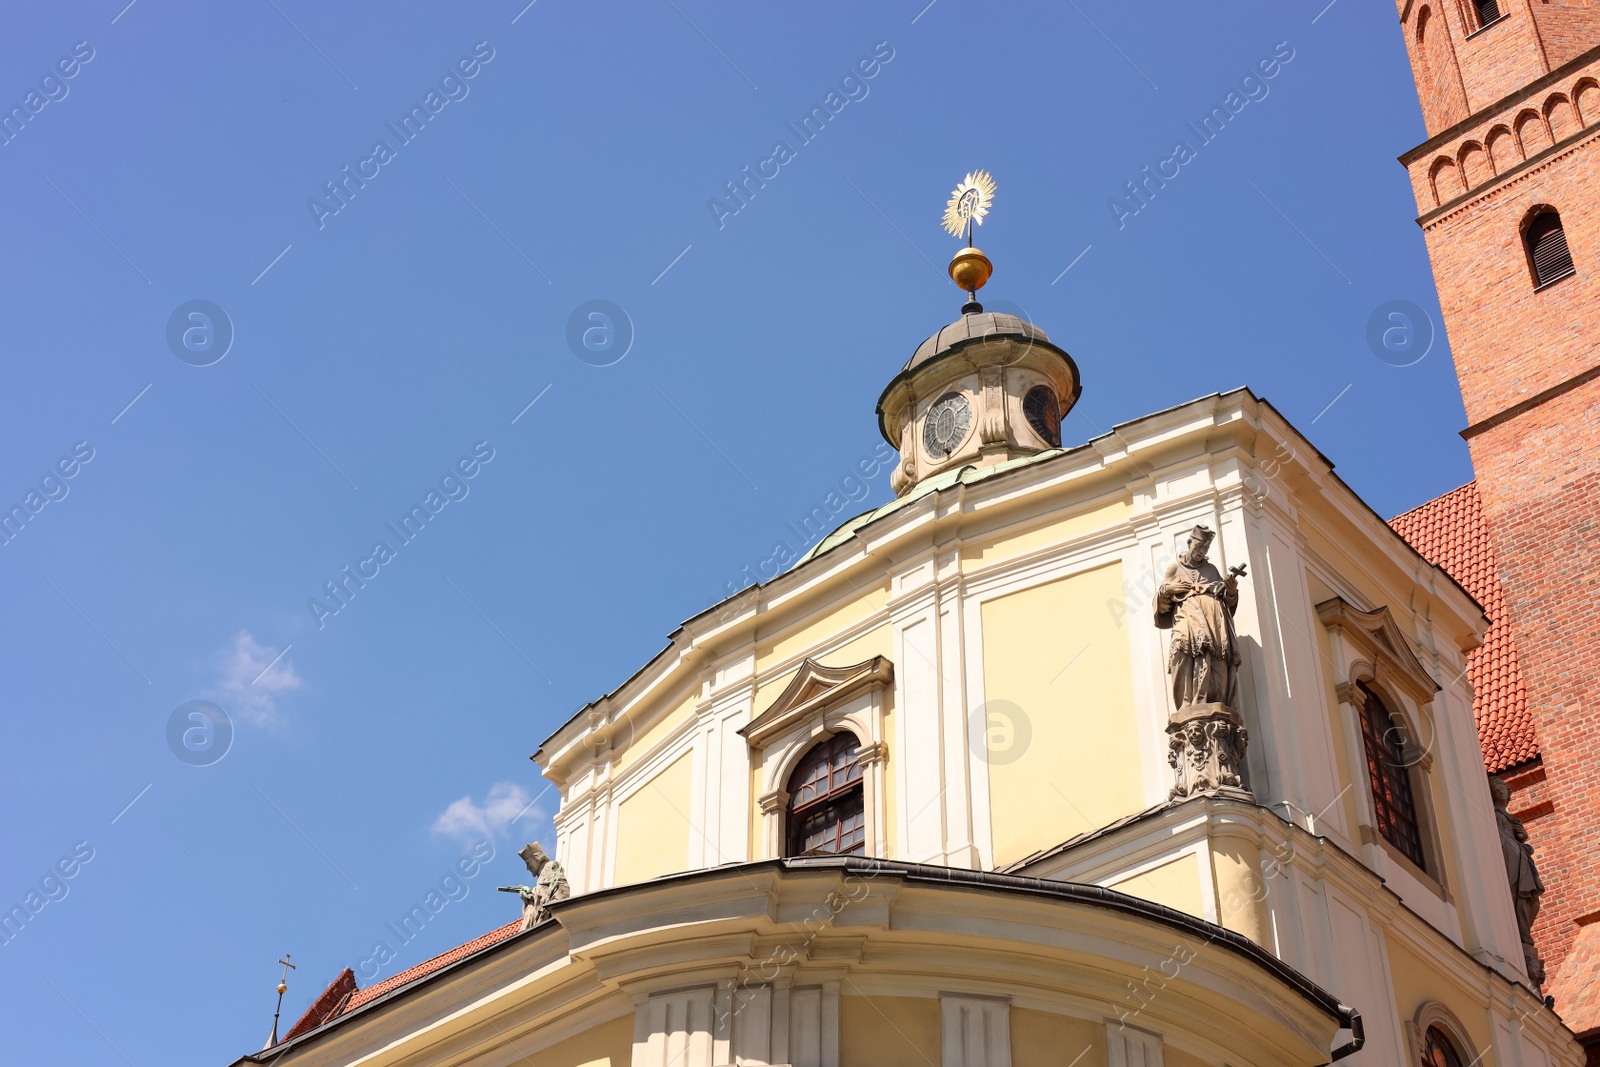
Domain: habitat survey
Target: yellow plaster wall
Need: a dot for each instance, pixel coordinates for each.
(875, 642)
(1241, 890)
(800, 639)
(1081, 768)
(644, 742)
(1365, 572)
(653, 825)
(1176, 1057)
(1416, 983)
(1007, 545)
(1175, 884)
(891, 1031)
(608, 1045)
(1038, 1037)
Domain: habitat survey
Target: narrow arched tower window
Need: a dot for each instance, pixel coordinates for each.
(1488, 11)
(827, 809)
(1547, 248)
(1394, 805)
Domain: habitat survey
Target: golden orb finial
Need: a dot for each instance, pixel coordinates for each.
(970, 269)
(969, 203)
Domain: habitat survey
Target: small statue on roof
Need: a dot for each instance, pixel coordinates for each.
(549, 885)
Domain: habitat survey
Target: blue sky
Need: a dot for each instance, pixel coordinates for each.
(375, 347)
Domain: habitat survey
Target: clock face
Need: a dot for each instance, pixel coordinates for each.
(946, 425)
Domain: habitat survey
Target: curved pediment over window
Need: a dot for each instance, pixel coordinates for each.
(843, 707)
(814, 689)
(1380, 641)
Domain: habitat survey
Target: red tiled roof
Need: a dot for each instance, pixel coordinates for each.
(1449, 532)
(427, 967)
(326, 1006)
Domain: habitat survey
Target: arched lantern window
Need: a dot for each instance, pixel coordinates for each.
(827, 801)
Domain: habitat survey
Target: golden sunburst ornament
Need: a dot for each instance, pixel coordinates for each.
(969, 203)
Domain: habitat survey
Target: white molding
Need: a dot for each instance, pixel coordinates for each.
(975, 1031)
(1128, 1046)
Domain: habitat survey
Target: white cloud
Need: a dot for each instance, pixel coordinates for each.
(251, 681)
(469, 821)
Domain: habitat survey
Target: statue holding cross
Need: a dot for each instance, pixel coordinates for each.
(1205, 730)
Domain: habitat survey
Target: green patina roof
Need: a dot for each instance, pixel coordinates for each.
(943, 480)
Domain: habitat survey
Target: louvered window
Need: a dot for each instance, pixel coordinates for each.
(1389, 770)
(827, 810)
(1488, 11)
(1547, 249)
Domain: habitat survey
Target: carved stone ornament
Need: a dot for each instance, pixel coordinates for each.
(1526, 885)
(1206, 735)
(549, 885)
(1205, 747)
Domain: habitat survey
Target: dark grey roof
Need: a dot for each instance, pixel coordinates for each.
(973, 328)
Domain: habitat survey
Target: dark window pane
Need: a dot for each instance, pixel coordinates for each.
(1393, 805)
(1488, 11)
(827, 810)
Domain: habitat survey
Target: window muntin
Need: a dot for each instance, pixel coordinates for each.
(827, 801)
(1546, 241)
(1393, 804)
(1488, 11)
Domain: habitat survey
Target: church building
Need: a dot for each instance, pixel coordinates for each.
(1154, 750)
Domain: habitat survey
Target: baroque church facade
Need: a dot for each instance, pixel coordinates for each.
(1157, 750)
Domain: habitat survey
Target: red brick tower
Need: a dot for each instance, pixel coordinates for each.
(1508, 186)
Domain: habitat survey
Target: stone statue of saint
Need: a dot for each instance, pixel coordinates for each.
(1197, 604)
(1206, 734)
(549, 885)
(1526, 886)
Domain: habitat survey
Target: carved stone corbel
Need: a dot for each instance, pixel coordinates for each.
(877, 752)
(1350, 693)
(904, 475)
(1205, 747)
(992, 420)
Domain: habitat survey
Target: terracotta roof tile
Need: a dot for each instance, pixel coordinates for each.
(326, 1006)
(1449, 532)
(427, 967)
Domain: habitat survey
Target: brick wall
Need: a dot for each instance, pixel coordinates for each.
(1462, 68)
(1513, 116)
(1510, 342)
(1539, 478)
(1567, 28)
